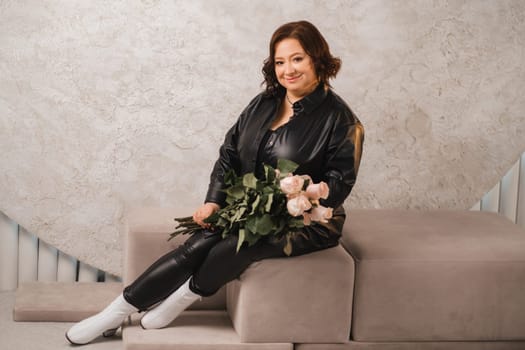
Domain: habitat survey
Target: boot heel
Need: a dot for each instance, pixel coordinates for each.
(110, 332)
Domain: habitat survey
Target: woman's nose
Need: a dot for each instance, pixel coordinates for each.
(289, 68)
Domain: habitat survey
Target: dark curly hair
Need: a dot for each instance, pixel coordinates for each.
(314, 44)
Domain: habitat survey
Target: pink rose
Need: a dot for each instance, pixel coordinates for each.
(297, 205)
(321, 214)
(292, 184)
(316, 191)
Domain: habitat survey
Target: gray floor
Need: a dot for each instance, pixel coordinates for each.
(40, 335)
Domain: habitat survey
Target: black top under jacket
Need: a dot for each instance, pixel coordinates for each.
(323, 136)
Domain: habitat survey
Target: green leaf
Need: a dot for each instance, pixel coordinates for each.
(230, 177)
(269, 201)
(264, 225)
(249, 180)
(251, 238)
(236, 191)
(238, 214)
(268, 189)
(241, 239)
(282, 224)
(225, 213)
(286, 166)
(296, 222)
(255, 204)
(269, 173)
(251, 223)
(222, 222)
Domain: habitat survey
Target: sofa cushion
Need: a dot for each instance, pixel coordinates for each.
(192, 330)
(423, 345)
(302, 299)
(436, 275)
(62, 301)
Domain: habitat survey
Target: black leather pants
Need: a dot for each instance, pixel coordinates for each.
(211, 262)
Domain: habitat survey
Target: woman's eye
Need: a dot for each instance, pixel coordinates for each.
(298, 59)
(278, 63)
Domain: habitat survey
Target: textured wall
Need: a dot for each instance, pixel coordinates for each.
(106, 105)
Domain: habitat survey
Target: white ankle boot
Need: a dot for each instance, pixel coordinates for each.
(104, 323)
(170, 308)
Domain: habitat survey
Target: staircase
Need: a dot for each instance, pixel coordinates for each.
(192, 330)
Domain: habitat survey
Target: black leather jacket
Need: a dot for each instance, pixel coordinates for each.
(324, 137)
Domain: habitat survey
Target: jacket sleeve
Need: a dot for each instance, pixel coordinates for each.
(343, 158)
(228, 158)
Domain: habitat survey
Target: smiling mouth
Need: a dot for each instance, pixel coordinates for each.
(292, 79)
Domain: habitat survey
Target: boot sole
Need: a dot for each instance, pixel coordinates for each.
(106, 334)
(72, 342)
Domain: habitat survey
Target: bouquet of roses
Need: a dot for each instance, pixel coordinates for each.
(279, 205)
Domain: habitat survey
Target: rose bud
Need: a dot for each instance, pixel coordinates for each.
(292, 184)
(306, 219)
(316, 191)
(297, 205)
(321, 214)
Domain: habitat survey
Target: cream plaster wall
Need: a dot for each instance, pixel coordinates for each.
(105, 105)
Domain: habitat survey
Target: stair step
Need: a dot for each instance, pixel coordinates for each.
(192, 330)
(62, 301)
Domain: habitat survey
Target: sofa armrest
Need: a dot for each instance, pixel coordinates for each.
(303, 299)
(146, 240)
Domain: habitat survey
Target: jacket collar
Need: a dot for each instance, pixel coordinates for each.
(310, 102)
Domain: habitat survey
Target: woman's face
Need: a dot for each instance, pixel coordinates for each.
(294, 68)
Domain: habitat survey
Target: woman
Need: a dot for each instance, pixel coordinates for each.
(297, 117)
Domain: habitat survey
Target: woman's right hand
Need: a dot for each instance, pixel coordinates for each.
(203, 212)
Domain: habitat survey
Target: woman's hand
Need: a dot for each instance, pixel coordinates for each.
(203, 212)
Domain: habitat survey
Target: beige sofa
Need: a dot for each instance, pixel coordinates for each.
(440, 279)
